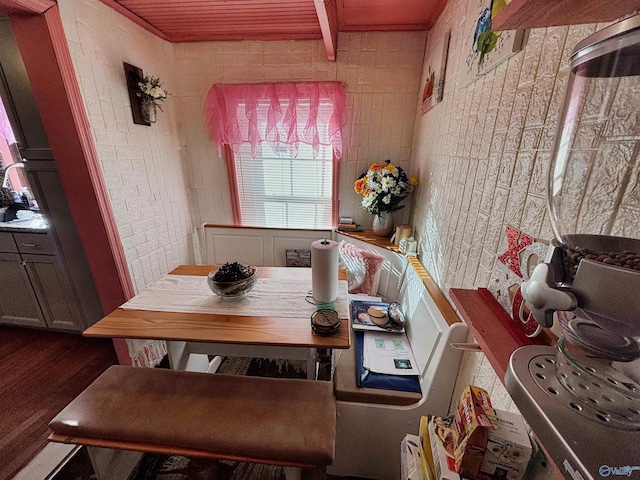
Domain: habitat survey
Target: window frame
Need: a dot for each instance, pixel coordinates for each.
(235, 198)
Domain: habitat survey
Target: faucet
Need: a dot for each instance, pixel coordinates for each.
(5, 181)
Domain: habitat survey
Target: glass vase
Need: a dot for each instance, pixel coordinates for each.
(148, 110)
(383, 224)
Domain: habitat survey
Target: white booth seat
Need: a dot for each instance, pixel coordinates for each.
(370, 423)
(264, 247)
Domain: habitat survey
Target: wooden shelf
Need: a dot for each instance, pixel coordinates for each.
(544, 13)
(496, 333)
(369, 237)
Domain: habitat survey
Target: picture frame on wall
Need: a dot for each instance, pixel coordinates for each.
(297, 258)
(484, 49)
(433, 71)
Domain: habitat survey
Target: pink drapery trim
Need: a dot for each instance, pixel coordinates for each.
(272, 124)
(5, 127)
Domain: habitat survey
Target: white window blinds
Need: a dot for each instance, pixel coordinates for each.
(279, 191)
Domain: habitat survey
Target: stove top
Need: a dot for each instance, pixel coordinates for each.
(582, 437)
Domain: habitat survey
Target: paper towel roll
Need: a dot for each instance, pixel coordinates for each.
(324, 270)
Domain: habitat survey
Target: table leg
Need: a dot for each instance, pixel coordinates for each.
(312, 364)
(181, 358)
(292, 473)
(111, 464)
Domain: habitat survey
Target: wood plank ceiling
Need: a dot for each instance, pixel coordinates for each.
(216, 20)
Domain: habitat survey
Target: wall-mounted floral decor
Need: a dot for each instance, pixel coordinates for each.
(145, 93)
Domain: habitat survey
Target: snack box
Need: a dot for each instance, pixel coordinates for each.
(508, 448)
(473, 419)
(440, 437)
(410, 460)
(426, 456)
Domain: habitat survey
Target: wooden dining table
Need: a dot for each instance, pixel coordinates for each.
(196, 324)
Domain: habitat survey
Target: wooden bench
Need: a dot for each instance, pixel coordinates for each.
(274, 421)
(372, 422)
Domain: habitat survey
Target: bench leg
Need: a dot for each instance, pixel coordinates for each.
(111, 464)
(214, 364)
(292, 473)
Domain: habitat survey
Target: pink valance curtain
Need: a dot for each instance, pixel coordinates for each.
(6, 131)
(278, 113)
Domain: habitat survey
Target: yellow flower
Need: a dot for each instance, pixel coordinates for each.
(413, 180)
(359, 184)
(391, 168)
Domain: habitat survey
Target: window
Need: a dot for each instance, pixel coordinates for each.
(281, 147)
(280, 190)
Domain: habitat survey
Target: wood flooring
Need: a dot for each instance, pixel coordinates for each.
(40, 372)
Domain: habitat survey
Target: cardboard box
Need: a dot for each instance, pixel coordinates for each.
(441, 442)
(426, 457)
(508, 448)
(410, 463)
(473, 419)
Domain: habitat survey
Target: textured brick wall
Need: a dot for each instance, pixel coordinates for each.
(483, 155)
(381, 72)
(142, 165)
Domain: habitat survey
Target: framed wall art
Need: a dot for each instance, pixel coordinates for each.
(485, 48)
(297, 258)
(433, 71)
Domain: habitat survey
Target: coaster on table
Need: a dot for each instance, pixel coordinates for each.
(325, 321)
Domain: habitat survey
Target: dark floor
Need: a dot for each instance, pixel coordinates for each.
(40, 373)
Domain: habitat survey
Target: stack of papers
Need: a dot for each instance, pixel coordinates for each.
(388, 353)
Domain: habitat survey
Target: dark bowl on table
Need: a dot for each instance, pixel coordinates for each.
(232, 291)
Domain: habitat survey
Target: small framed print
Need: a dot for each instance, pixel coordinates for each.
(485, 48)
(433, 71)
(298, 258)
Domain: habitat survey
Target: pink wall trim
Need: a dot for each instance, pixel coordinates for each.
(122, 351)
(21, 7)
(48, 62)
(335, 209)
(134, 18)
(233, 185)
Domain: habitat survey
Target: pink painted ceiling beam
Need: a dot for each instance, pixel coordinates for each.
(55, 87)
(328, 19)
(134, 18)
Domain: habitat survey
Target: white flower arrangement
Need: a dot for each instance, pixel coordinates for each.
(150, 90)
(383, 187)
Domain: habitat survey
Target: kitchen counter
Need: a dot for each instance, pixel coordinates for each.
(37, 224)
